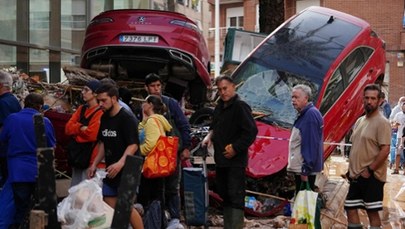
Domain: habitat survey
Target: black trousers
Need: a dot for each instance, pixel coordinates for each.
(231, 186)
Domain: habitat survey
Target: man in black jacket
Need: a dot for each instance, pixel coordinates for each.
(232, 131)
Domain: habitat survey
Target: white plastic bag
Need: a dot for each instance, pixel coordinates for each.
(304, 209)
(84, 206)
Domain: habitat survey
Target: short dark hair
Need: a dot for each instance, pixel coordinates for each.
(34, 100)
(125, 95)
(220, 78)
(110, 89)
(374, 87)
(108, 80)
(152, 77)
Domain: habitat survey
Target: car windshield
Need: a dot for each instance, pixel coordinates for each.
(268, 93)
(301, 52)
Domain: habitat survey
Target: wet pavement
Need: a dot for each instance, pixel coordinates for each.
(392, 215)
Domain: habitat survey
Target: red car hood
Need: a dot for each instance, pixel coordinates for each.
(269, 153)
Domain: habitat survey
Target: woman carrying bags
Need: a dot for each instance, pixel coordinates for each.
(153, 125)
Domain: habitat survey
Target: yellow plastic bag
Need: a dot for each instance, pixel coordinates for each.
(304, 208)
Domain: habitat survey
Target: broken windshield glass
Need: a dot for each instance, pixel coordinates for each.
(269, 92)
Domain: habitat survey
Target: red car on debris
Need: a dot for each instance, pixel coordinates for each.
(334, 53)
(130, 43)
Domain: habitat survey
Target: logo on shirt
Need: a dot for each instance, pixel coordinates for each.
(109, 133)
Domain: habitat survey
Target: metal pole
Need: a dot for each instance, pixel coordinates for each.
(217, 38)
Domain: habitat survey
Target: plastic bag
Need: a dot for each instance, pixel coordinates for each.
(84, 206)
(304, 208)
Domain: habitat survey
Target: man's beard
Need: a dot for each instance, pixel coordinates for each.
(370, 109)
(108, 111)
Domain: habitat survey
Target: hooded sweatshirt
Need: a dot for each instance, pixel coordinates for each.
(150, 130)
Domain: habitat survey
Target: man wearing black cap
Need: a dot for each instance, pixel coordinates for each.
(176, 117)
(85, 132)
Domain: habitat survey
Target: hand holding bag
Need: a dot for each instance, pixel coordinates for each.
(304, 210)
(162, 159)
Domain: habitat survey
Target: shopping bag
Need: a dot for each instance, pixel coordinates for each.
(84, 207)
(162, 160)
(304, 209)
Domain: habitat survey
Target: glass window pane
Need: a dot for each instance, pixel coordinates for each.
(8, 56)
(232, 21)
(333, 91)
(39, 63)
(73, 24)
(240, 21)
(8, 22)
(39, 22)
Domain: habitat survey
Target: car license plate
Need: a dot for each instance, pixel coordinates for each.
(138, 39)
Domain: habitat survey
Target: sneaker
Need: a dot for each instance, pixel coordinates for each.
(174, 224)
(395, 172)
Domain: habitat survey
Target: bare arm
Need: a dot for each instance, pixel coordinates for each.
(100, 156)
(115, 168)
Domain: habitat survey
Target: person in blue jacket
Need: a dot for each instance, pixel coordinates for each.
(19, 133)
(306, 142)
(8, 104)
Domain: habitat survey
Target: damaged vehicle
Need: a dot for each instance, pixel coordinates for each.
(131, 43)
(334, 53)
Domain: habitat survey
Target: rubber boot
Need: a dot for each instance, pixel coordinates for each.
(237, 218)
(227, 218)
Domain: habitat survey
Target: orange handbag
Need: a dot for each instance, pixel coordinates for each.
(162, 159)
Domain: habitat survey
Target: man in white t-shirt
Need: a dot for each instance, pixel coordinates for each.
(399, 119)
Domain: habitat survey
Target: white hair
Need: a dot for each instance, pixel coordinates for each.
(305, 89)
(6, 79)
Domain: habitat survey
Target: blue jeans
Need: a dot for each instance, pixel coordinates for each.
(393, 149)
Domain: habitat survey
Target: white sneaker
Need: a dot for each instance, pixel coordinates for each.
(174, 224)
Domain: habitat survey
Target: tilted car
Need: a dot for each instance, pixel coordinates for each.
(334, 53)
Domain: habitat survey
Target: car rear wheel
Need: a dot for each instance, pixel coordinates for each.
(202, 117)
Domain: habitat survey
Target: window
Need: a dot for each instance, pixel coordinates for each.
(196, 5)
(234, 17)
(236, 22)
(344, 75)
(355, 61)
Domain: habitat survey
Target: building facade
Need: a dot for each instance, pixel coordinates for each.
(41, 36)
